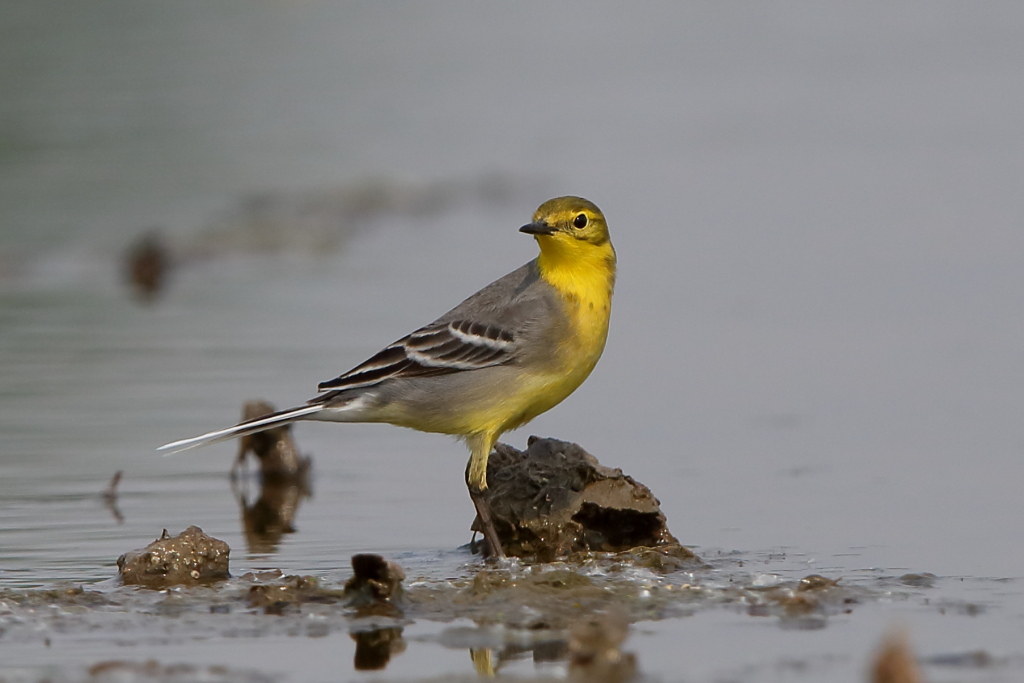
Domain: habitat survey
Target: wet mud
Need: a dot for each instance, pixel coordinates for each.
(576, 615)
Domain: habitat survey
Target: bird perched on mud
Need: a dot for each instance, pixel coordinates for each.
(510, 352)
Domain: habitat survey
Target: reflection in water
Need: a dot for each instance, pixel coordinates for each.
(488, 661)
(272, 514)
(375, 591)
(374, 649)
(895, 662)
(110, 497)
(592, 649)
(595, 652)
(483, 661)
(284, 481)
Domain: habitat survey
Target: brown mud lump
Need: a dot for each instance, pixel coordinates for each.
(188, 559)
(375, 586)
(555, 499)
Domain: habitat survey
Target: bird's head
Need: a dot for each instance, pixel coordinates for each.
(565, 224)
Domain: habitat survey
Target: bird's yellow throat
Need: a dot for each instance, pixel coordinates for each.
(578, 269)
(584, 275)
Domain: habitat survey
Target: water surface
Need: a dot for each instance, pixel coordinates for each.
(815, 352)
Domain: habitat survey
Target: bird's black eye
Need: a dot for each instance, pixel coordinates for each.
(580, 221)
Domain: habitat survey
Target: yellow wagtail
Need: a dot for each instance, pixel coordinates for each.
(500, 358)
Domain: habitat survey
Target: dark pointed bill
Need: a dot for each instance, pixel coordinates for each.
(537, 228)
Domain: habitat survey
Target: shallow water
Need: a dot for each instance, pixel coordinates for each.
(815, 352)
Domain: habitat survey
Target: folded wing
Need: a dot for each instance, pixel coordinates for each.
(436, 349)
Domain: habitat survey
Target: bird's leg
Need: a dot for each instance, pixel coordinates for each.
(476, 479)
(492, 544)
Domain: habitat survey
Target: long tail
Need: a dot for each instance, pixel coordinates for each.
(242, 429)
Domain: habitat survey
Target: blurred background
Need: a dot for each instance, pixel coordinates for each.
(817, 332)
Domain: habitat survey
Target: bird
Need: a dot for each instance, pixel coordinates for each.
(511, 351)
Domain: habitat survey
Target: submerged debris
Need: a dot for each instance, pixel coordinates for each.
(555, 499)
(190, 558)
(922, 580)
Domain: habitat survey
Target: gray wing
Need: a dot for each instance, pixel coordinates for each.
(485, 330)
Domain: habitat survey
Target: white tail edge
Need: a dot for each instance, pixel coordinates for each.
(241, 429)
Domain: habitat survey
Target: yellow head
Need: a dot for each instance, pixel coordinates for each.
(576, 254)
(564, 223)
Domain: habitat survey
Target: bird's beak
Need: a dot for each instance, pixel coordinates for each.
(537, 228)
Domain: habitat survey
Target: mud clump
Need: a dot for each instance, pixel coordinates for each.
(922, 580)
(374, 596)
(375, 587)
(555, 499)
(289, 594)
(188, 559)
(804, 605)
(375, 590)
(816, 582)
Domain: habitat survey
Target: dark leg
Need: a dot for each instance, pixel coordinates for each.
(492, 545)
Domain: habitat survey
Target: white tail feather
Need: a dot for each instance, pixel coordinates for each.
(242, 429)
